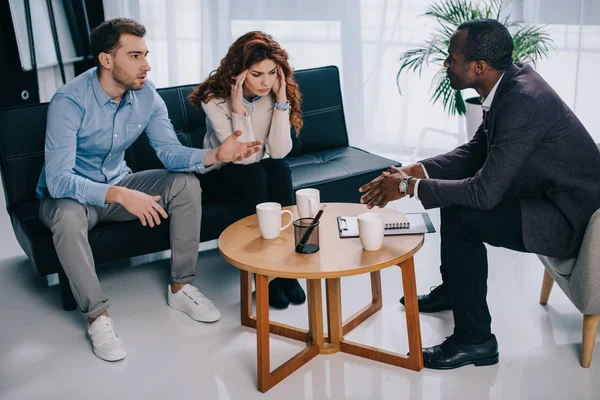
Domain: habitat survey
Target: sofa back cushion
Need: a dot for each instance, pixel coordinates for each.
(322, 111)
(22, 135)
(189, 124)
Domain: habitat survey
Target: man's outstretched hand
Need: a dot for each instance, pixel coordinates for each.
(383, 189)
(232, 150)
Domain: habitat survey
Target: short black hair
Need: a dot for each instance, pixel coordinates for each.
(488, 40)
(105, 37)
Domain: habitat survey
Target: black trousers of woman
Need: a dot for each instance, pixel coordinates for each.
(252, 184)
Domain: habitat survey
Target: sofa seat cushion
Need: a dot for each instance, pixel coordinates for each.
(216, 217)
(334, 164)
(337, 173)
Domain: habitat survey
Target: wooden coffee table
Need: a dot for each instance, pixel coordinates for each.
(242, 245)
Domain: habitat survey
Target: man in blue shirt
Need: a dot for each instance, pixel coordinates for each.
(92, 120)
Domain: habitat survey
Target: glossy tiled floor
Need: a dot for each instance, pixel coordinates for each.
(45, 355)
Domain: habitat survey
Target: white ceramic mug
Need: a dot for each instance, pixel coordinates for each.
(370, 230)
(269, 219)
(308, 202)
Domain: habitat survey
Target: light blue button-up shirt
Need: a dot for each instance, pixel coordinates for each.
(87, 134)
(251, 102)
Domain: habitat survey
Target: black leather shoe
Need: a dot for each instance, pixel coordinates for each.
(293, 290)
(437, 300)
(277, 297)
(453, 354)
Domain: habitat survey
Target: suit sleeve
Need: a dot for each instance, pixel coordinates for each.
(462, 162)
(516, 136)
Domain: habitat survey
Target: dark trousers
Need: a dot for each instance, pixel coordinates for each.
(464, 261)
(252, 184)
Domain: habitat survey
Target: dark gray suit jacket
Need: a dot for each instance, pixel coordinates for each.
(534, 149)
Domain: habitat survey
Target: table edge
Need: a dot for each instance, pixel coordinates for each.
(331, 274)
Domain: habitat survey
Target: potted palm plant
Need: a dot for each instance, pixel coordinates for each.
(532, 43)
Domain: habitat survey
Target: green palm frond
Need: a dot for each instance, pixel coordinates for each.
(453, 12)
(531, 44)
(414, 60)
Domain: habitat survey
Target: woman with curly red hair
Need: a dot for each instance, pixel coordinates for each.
(253, 90)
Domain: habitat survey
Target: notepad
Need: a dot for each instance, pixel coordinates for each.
(402, 224)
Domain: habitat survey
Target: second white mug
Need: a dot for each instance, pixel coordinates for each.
(308, 202)
(269, 219)
(370, 230)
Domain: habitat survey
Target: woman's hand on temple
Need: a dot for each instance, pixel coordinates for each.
(237, 93)
(280, 87)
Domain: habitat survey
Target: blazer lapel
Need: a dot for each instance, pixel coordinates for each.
(500, 92)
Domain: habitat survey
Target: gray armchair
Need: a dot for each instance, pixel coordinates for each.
(579, 278)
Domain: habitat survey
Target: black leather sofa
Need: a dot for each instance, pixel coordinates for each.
(321, 158)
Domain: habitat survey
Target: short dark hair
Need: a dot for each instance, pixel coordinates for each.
(105, 37)
(488, 40)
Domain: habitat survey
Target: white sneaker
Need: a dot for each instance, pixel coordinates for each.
(105, 341)
(190, 301)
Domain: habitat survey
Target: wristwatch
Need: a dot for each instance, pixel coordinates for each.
(283, 106)
(403, 186)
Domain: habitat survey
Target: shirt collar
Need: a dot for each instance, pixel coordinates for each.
(249, 103)
(487, 104)
(128, 97)
(101, 96)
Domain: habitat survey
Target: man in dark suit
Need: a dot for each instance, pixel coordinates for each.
(529, 181)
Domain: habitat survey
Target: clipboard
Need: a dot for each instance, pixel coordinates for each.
(417, 223)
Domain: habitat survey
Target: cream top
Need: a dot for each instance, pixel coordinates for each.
(260, 122)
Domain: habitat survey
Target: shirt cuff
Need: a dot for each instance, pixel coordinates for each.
(197, 161)
(424, 171)
(282, 115)
(96, 193)
(416, 191)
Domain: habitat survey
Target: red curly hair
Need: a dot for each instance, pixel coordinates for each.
(249, 49)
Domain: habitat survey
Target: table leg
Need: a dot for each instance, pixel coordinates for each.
(415, 360)
(337, 329)
(266, 378)
(367, 311)
(315, 311)
(334, 315)
(246, 299)
(413, 326)
(263, 349)
(248, 319)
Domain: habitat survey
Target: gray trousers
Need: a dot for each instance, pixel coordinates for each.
(70, 222)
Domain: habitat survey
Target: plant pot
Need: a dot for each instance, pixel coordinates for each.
(474, 115)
